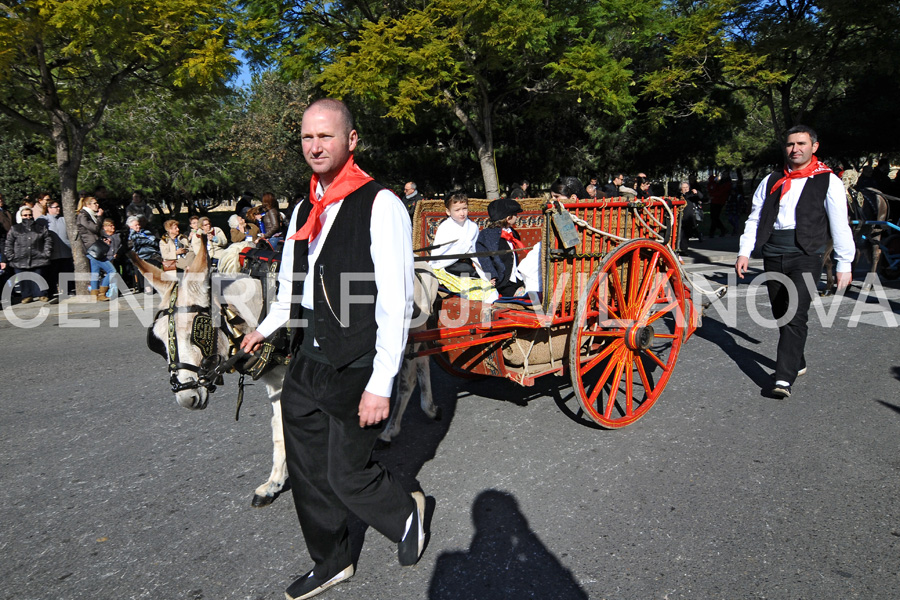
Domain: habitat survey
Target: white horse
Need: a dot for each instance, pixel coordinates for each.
(241, 296)
(189, 362)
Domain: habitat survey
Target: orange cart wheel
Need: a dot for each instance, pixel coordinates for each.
(628, 329)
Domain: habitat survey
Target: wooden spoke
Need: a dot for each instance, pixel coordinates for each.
(621, 355)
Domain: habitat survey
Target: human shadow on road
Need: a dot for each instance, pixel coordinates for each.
(896, 372)
(505, 559)
(893, 407)
(750, 362)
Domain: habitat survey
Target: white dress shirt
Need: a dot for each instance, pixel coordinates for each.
(459, 239)
(391, 252)
(835, 208)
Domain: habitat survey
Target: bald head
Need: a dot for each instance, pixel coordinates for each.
(332, 105)
(328, 138)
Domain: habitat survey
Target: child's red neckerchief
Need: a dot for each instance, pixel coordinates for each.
(515, 242)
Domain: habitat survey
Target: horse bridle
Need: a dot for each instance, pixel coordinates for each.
(203, 335)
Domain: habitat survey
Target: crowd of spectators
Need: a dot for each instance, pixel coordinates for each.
(36, 253)
(34, 242)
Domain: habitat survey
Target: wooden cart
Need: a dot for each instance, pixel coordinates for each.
(612, 314)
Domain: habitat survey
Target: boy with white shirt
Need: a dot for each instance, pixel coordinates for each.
(454, 236)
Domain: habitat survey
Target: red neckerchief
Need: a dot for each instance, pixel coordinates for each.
(515, 242)
(813, 168)
(348, 180)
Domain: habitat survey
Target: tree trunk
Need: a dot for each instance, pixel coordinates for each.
(484, 146)
(489, 172)
(69, 149)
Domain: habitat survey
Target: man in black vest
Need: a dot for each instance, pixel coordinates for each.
(346, 285)
(792, 216)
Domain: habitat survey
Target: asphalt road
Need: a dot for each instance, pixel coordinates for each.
(111, 490)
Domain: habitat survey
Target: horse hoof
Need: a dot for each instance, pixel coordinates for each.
(261, 501)
(437, 414)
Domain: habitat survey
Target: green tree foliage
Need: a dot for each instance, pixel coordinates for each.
(816, 45)
(171, 148)
(265, 138)
(62, 62)
(474, 62)
(26, 164)
(752, 68)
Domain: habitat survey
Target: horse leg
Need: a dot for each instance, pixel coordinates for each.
(406, 383)
(267, 492)
(874, 259)
(426, 401)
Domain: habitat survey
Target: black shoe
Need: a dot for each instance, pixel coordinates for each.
(781, 391)
(309, 585)
(409, 549)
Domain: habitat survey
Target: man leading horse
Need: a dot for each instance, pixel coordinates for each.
(346, 284)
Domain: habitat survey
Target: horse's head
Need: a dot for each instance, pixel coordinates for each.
(183, 331)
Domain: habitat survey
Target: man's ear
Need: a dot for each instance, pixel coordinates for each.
(815, 147)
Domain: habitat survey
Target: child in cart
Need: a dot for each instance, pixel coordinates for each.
(457, 235)
(502, 270)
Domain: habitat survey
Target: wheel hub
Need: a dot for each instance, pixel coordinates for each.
(639, 337)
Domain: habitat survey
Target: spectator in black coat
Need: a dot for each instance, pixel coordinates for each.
(28, 248)
(519, 191)
(411, 197)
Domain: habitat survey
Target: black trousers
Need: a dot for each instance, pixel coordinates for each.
(329, 460)
(59, 266)
(803, 271)
(715, 219)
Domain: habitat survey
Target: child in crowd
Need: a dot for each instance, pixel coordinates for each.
(146, 246)
(457, 235)
(502, 270)
(114, 241)
(194, 232)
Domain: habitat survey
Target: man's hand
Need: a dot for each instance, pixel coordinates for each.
(373, 409)
(844, 279)
(741, 266)
(252, 341)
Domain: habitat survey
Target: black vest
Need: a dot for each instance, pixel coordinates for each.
(812, 220)
(344, 311)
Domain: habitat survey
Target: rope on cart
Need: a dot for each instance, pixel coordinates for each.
(585, 225)
(656, 236)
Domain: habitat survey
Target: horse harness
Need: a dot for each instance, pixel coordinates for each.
(205, 337)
